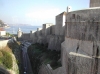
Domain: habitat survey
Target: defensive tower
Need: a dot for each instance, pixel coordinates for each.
(94, 3)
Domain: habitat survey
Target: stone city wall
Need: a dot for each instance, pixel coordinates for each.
(50, 34)
(94, 3)
(60, 23)
(44, 69)
(25, 36)
(81, 49)
(80, 57)
(83, 24)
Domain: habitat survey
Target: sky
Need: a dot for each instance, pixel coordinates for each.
(36, 12)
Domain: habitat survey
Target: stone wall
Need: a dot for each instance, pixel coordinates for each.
(89, 14)
(80, 57)
(94, 3)
(44, 69)
(83, 24)
(81, 49)
(83, 31)
(26, 36)
(60, 23)
(47, 29)
(54, 42)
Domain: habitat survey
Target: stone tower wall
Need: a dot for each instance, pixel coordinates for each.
(94, 3)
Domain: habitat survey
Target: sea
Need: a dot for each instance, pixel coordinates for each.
(24, 29)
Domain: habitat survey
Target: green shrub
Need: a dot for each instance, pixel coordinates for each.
(7, 60)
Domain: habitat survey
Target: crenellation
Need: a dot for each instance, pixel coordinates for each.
(47, 29)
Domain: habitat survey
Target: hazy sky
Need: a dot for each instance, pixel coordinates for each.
(36, 12)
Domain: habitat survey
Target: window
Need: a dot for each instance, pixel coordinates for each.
(73, 16)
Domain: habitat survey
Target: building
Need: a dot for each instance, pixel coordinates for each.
(19, 33)
(2, 32)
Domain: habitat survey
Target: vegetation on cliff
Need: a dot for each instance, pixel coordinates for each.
(10, 58)
(16, 51)
(39, 54)
(6, 59)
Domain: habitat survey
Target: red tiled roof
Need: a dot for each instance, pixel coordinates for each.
(2, 29)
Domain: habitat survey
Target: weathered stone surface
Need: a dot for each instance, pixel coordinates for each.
(60, 23)
(94, 3)
(98, 66)
(83, 24)
(55, 42)
(86, 46)
(46, 70)
(80, 64)
(47, 29)
(80, 57)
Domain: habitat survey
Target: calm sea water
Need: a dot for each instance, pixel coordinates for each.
(25, 29)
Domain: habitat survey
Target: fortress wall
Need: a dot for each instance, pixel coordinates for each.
(83, 31)
(59, 20)
(49, 33)
(54, 42)
(76, 59)
(89, 14)
(53, 29)
(44, 69)
(34, 38)
(60, 23)
(47, 29)
(83, 24)
(62, 31)
(94, 3)
(39, 32)
(26, 36)
(81, 49)
(32, 34)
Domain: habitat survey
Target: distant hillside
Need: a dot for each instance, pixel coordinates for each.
(2, 24)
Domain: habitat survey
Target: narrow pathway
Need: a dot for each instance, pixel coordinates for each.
(26, 62)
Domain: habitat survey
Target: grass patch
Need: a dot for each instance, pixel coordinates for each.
(6, 59)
